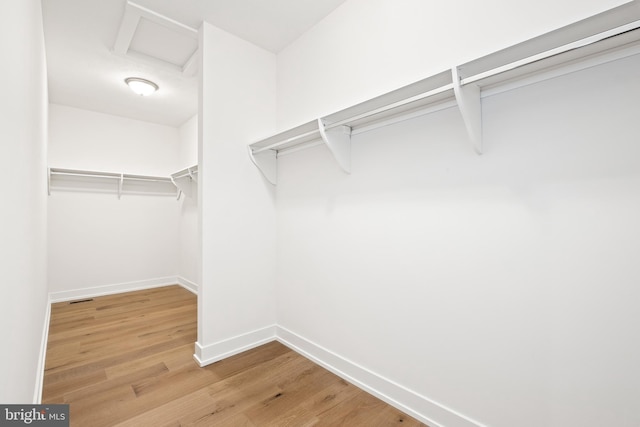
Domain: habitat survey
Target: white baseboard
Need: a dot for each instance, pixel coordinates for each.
(112, 289)
(37, 395)
(211, 353)
(187, 284)
(394, 394)
(406, 400)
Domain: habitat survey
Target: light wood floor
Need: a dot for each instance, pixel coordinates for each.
(126, 360)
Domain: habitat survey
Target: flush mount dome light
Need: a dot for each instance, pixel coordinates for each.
(142, 87)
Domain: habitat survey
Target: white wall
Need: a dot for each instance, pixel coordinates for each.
(189, 248)
(95, 239)
(23, 116)
(369, 47)
(83, 139)
(502, 286)
(188, 147)
(237, 212)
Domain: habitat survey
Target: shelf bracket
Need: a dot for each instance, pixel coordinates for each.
(192, 175)
(266, 161)
(178, 190)
(468, 99)
(338, 140)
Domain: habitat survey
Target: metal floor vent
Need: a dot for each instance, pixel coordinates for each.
(82, 300)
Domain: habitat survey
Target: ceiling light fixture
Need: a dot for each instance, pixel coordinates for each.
(142, 87)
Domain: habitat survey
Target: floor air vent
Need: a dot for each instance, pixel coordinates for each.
(81, 300)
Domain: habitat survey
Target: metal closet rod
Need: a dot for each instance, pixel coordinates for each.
(111, 176)
(569, 47)
(464, 80)
(158, 179)
(361, 116)
(90, 175)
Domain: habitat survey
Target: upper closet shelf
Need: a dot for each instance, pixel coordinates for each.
(109, 182)
(601, 38)
(605, 37)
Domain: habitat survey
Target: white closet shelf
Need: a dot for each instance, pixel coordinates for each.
(183, 179)
(335, 130)
(109, 182)
(601, 38)
(613, 29)
(190, 172)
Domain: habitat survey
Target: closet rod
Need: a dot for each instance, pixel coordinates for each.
(347, 121)
(134, 178)
(579, 44)
(90, 175)
(390, 107)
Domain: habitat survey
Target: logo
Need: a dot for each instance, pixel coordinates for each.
(34, 415)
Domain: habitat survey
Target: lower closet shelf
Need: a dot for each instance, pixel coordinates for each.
(109, 182)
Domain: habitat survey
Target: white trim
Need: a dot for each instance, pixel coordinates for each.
(159, 19)
(406, 400)
(389, 391)
(37, 395)
(211, 353)
(187, 284)
(112, 289)
(127, 29)
(190, 68)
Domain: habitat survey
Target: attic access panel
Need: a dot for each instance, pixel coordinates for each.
(145, 34)
(165, 44)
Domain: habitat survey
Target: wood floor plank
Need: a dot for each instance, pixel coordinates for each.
(298, 388)
(310, 410)
(55, 391)
(127, 360)
(239, 420)
(100, 387)
(173, 359)
(170, 413)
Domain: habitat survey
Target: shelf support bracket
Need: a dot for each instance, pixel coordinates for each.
(338, 141)
(266, 161)
(178, 190)
(468, 99)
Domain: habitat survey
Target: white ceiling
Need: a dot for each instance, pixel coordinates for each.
(93, 45)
